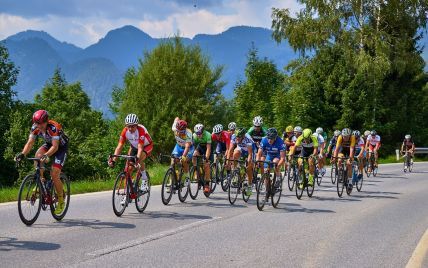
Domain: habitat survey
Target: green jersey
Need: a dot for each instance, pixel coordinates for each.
(257, 135)
(202, 141)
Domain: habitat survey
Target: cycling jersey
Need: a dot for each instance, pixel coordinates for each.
(341, 143)
(313, 142)
(140, 136)
(289, 141)
(223, 141)
(257, 135)
(320, 139)
(53, 131)
(373, 140)
(359, 146)
(182, 138)
(272, 149)
(246, 142)
(408, 144)
(333, 142)
(202, 141)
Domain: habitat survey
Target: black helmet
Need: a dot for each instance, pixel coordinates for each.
(240, 132)
(272, 133)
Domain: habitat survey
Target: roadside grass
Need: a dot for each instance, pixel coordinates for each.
(156, 172)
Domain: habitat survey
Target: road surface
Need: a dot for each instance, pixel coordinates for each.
(378, 227)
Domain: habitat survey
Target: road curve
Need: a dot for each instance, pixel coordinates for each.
(378, 227)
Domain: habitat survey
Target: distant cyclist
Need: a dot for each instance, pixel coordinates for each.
(184, 147)
(408, 146)
(231, 128)
(345, 148)
(319, 133)
(359, 153)
(309, 148)
(202, 143)
(272, 148)
(257, 131)
(373, 145)
(222, 138)
(332, 143)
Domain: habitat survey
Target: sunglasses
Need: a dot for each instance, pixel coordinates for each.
(131, 126)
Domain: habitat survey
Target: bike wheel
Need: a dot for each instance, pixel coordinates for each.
(194, 182)
(183, 187)
(340, 182)
(300, 178)
(290, 176)
(276, 191)
(333, 174)
(410, 165)
(244, 185)
(224, 180)
(215, 176)
(29, 200)
(66, 195)
(234, 186)
(319, 179)
(374, 171)
(262, 192)
(405, 164)
(120, 192)
(167, 186)
(359, 184)
(143, 196)
(310, 188)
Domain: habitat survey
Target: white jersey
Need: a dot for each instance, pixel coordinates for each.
(373, 140)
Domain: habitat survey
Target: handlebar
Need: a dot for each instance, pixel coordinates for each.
(123, 156)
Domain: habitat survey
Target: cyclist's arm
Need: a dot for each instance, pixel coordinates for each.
(119, 148)
(53, 149)
(259, 154)
(250, 154)
(187, 148)
(281, 158)
(338, 144)
(28, 145)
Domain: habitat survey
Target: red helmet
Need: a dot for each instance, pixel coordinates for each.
(40, 116)
(181, 125)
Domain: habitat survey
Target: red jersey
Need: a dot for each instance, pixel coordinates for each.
(140, 136)
(223, 138)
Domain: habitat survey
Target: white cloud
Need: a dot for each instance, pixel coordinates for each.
(10, 24)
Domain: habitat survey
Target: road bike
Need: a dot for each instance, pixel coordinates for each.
(407, 162)
(302, 178)
(197, 178)
(292, 173)
(127, 189)
(174, 182)
(238, 181)
(35, 194)
(269, 186)
(219, 171)
(355, 174)
(342, 177)
(333, 173)
(371, 165)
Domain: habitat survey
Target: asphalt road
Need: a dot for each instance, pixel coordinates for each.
(378, 227)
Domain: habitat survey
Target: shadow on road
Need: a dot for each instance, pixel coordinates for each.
(391, 176)
(211, 204)
(166, 215)
(89, 223)
(376, 195)
(10, 243)
(336, 199)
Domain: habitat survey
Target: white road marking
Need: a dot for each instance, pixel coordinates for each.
(420, 252)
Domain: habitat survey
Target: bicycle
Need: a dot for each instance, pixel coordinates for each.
(219, 168)
(302, 179)
(173, 181)
(197, 182)
(333, 173)
(292, 173)
(355, 173)
(342, 177)
(371, 167)
(269, 186)
(407, 162)
(126, 189)
(35, 194)
(238, 181)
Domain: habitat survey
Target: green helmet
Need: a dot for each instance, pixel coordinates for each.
(307, 133)
(240, 132)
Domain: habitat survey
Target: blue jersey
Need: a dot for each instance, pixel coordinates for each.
(272, 149)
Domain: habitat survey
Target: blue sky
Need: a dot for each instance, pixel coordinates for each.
(84, 22)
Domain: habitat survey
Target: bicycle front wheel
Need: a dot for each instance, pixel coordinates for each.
(262, 192)
(276, 190)
(359, 184)
(29, 200)
(143, 195)
(311, 187)
(194, 182)
(215, 176)
(291, 173)
(183, 188)
(120, 192)
(167, 186)
(300, 178)
(234, 186)
(333, 174)
(341, 180)
(66, 195)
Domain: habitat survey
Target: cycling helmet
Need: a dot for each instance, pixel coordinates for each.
(337, 133)
(307, 133)
(40, 116)
(346, 132)
(181, 125)
(289, 129)
(258, 121)
(366, 133)
(319, 130)
(199, 128)
(298, 129)
(232, 126)
(272, 133)
(356, 133)
(408, 137)
(131, 119)
(373, 133)
(240, 132)
(217, 129)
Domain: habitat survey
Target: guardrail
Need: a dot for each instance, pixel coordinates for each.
(418, 150)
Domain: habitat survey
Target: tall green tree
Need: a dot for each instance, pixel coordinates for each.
(172, 80)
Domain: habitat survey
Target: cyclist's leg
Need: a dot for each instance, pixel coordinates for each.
(39, 153)
(236, 155)
(59, 159)
(196, 153)
(188, 156)
(177, 152)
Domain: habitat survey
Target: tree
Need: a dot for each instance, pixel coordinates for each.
(172, 80)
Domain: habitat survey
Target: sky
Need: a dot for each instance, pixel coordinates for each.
(84, 22)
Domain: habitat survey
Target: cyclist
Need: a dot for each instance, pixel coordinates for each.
(288, 136)
(56, 146)
(359, 153)
(272, 149)
(231, 128)
(332, 144)
(184, 146)
(297, 149)
(257, 132)
(319, 133)
(409, 146)
(373, 144)
(243, 145)
(345, 148)
(309, 145)
(141, 145)
(202, 143)
(223, 142)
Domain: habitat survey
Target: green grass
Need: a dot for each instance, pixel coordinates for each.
(87, 186)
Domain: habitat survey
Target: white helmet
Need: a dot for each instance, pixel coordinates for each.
(319, 130)
(298, 129)
(346, 132)
(258, 121)
(366, 133)
(337, 133)
(408, 137)
(232, 126)
(198, 128)
(131, 119)
(217, 129)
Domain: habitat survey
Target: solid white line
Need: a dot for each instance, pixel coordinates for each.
(150, 238)
(419, 253)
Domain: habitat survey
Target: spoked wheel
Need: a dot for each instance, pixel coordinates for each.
(215, 170)
(366, 168)
(194, 182)
(211, 184)
(359, 184)
(405, 164)
(341, 181)
(167, 186)
(224, 180)
(374, 170)
(410, 165)
(244, 186)
(333, 174)
(234, 185)
(183, 188)
(300, 178)
(290, 175)
(143, 195)
(120, 192)
(319, 178)
(276, 190)
(262, 192)
(310, 188)
(29, 200)
(66, 197)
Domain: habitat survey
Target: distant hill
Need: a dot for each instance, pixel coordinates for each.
(101, 66)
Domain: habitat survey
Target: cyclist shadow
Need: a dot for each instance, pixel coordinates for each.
(297, 208)
(165, 215)
(377, 195)
(211, 204)
(391, 176)
(11, 243)
(336, 198)
(88, 223)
